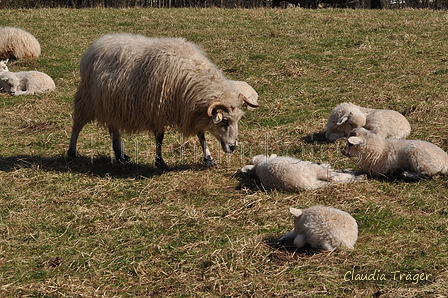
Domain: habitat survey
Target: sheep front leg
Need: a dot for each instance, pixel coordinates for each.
(160, 163)
(287, 239)
(117, 145)
(208, 159)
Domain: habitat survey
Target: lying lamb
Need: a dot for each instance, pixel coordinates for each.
(395, 159)
(26, 82)
(291, 174)
(323, 228)
(347, 116)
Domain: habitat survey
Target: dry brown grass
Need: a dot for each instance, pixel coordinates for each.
(92, 228)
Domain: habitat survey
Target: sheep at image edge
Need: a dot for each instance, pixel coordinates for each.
(16, 43)
(347, 116)
(394, 158)
(26, 82)
(322, 228)
(292, 174)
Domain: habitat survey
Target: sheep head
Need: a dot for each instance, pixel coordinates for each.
(9, 82)
(224, 124)
(225, 115)
(354, 141)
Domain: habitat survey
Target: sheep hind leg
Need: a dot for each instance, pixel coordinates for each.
(117, 145)
(208, 159)
(76, 129)
(160, 163)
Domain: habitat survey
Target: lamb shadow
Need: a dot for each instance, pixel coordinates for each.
(248, 181)
(316, 138)
(101, 166)
(284, 253)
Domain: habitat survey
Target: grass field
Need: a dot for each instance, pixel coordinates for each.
(95, 228)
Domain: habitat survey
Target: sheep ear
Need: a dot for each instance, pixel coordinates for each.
(355, 141)
(4, 79)
(217, 117)
(251, 102)
(296, 212)
(343, 119)
(214, 113)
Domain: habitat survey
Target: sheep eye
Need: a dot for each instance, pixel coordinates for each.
(225, 122)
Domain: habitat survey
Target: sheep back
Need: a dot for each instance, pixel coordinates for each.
(16, 43)
(137, 83)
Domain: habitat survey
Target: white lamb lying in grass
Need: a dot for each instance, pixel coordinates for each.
(292, 174)
(26, 82)
(323, 228)
(347, 116)
(395, 159)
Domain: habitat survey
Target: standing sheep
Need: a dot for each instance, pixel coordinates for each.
(26, 82)
(394, 158)
(322, 228)
(134, 83)
(291, 174)
(347, 116)
(16, 43)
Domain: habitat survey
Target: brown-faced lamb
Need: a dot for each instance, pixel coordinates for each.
(26, 82)
(133, 83)
(322, 228)
(292, 174)
(347, 116)
(16, 43)
(395, 159)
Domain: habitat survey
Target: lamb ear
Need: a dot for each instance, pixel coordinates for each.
(296, 212)
(343, 119)
(355, 140)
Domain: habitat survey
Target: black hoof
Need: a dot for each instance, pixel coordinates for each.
(123, 159)
(71, 155)
(209, 162)
(160, 164)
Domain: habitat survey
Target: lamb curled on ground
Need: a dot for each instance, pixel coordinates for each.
(394, 158)
(347, 116)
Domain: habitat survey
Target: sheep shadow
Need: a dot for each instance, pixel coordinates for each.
(248, 182)
(101, 166)
(285, 253)
(315, 138)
